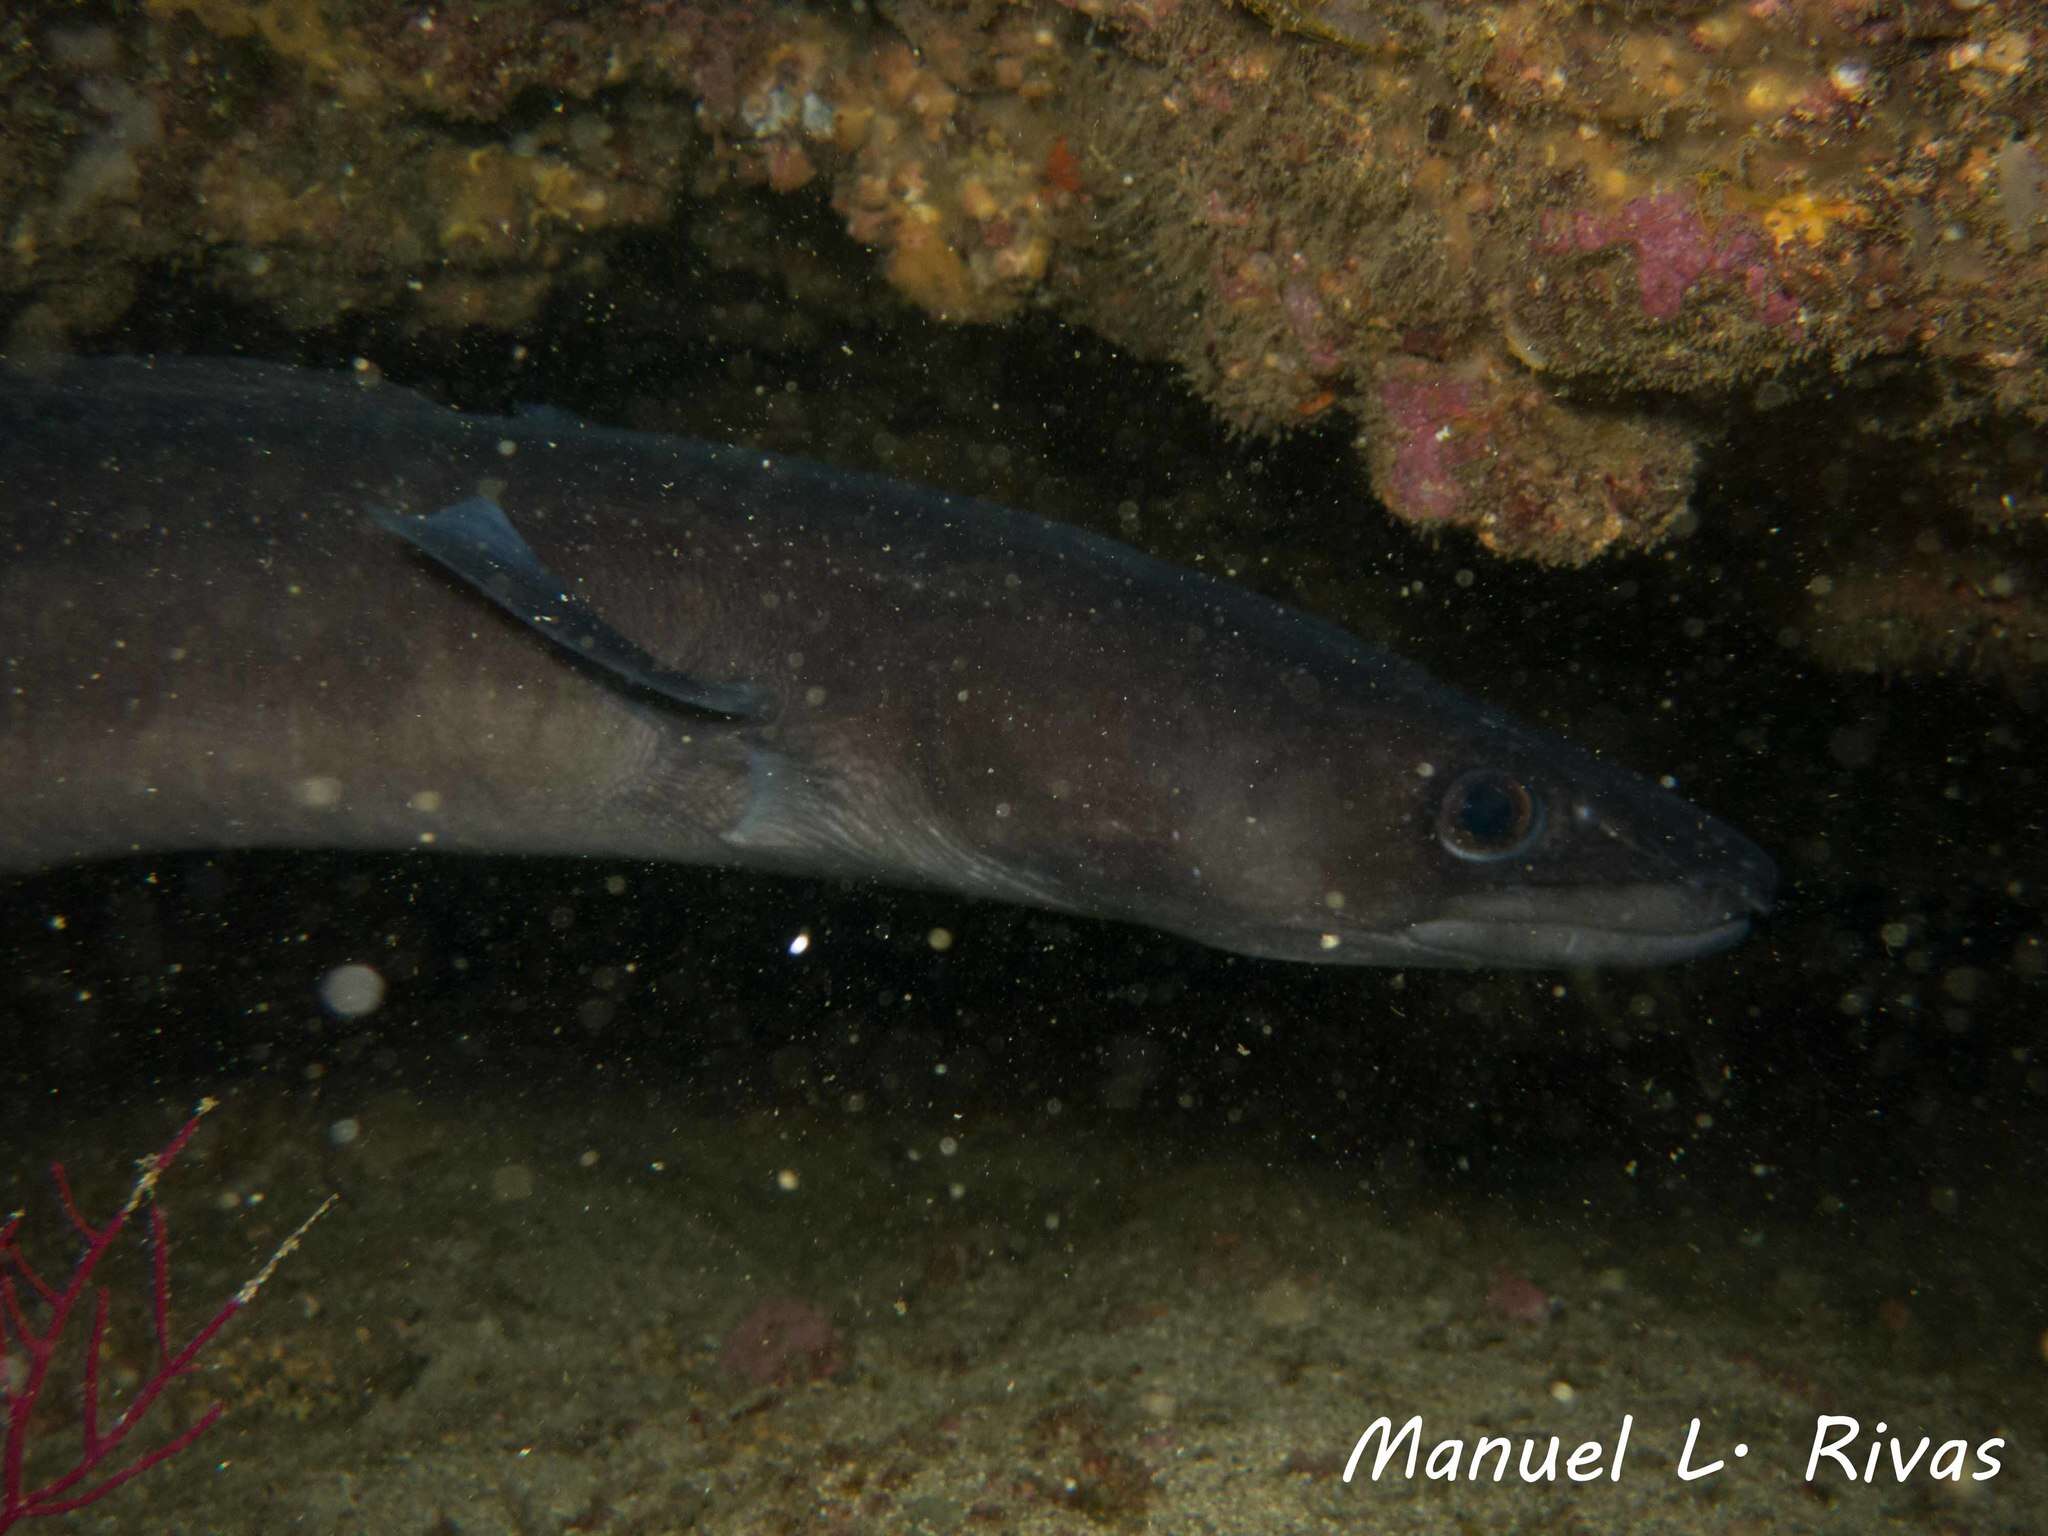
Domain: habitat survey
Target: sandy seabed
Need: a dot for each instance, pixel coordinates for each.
(581, 1310)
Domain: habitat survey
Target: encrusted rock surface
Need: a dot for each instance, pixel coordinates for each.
(1550, 258)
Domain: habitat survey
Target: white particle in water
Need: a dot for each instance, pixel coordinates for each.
(352, 991)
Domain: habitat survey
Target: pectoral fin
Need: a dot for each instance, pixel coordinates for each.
(475, 540)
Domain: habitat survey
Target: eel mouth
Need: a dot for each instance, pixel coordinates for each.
(1656, 923)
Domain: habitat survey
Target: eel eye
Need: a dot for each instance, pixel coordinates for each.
(1488, 815)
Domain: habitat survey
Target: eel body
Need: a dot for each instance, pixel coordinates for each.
(244, 605)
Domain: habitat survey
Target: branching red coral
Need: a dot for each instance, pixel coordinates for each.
(36, 1314)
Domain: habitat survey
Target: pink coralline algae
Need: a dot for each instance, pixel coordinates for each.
(1473, 442)
(1427, 415)
(783, 1342)
(1675, 248)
